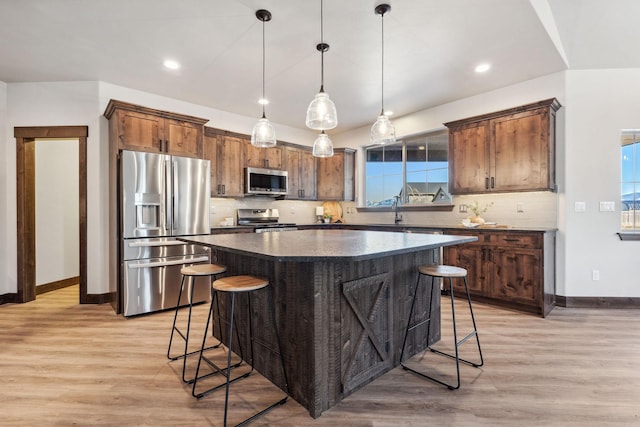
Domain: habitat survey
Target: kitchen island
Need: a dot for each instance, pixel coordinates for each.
(342, 300)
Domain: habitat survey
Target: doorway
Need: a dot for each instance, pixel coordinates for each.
(26, 209)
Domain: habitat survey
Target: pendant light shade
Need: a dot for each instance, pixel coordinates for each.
(263, 134)
(321, 114)
(322, 146)
(383, 131)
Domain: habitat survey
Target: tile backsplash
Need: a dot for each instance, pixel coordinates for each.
(534, 209)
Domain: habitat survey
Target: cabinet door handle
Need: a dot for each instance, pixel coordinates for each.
(224, 189)
(486, 183)
(507, 239)
(302, 194)
(493, 182)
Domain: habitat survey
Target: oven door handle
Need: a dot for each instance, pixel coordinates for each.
(167, 263)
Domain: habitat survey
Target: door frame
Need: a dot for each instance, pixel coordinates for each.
(25, 206)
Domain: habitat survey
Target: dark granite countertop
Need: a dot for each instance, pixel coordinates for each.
(327, 244)
(393, 227)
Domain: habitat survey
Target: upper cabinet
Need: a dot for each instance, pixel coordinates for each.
(505, 151)
(133, 127)
(301, 165)
(335, 176)
(256, 157)
(226, 153)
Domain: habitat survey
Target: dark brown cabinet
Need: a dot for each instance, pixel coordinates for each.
(256, 157)
(301, 165)
(508, 268)
(505, 151)
(137, 128)
(226, 153)
(336, 176)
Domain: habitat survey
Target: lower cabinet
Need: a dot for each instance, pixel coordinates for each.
(507, 268)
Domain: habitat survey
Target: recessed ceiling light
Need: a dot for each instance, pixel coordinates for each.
(481, 68)
(171, 64)
(388, 113)
(263, 101)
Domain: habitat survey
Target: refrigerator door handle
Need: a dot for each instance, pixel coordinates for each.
(168, 196)
(167, 263)
(175, 196)
(158, 243)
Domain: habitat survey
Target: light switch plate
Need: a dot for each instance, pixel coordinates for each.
(607, 206)
(580, 207)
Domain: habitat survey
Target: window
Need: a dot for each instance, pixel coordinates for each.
(630, 192)
(414, 169)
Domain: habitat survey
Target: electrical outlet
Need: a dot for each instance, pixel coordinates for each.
(520, 207)
(463, 208)
(580, 207)
(595, 275)
(212, 209)
(293, 210)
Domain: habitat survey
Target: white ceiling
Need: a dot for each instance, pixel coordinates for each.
(431, 48)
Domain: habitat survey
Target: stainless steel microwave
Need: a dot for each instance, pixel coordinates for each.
(266, 182)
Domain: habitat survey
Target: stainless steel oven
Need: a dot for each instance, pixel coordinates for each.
(263, 220)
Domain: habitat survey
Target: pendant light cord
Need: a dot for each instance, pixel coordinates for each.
(263, 74)
(382, 67)
(322, 44)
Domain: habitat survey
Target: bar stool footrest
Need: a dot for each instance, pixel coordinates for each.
(449, 386)
(264, 411)
(452, 356)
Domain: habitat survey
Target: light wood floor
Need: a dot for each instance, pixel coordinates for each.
(65, 364)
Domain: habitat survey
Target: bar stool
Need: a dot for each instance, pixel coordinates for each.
(191, 271)
(450, 272)
(236, 285)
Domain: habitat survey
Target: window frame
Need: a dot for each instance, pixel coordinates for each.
(630, 137)
(446, 204)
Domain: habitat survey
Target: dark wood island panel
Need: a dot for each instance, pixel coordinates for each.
(342, 299)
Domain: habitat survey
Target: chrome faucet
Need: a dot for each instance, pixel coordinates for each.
(397, 218)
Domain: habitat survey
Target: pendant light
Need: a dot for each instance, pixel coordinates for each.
(263, 134)
(322, 146)
(383, 131)
(321, 114)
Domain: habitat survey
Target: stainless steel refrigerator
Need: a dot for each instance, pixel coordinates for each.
(161, 197)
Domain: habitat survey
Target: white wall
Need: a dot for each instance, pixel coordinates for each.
(57, 220)
(602, 103)
(596, 105)
(57, 104)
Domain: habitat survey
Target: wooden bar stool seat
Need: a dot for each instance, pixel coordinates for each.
(234, 285)
(444, 272)
(191, 272)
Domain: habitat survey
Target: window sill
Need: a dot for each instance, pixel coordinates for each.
(629, 235)
(430, 207)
